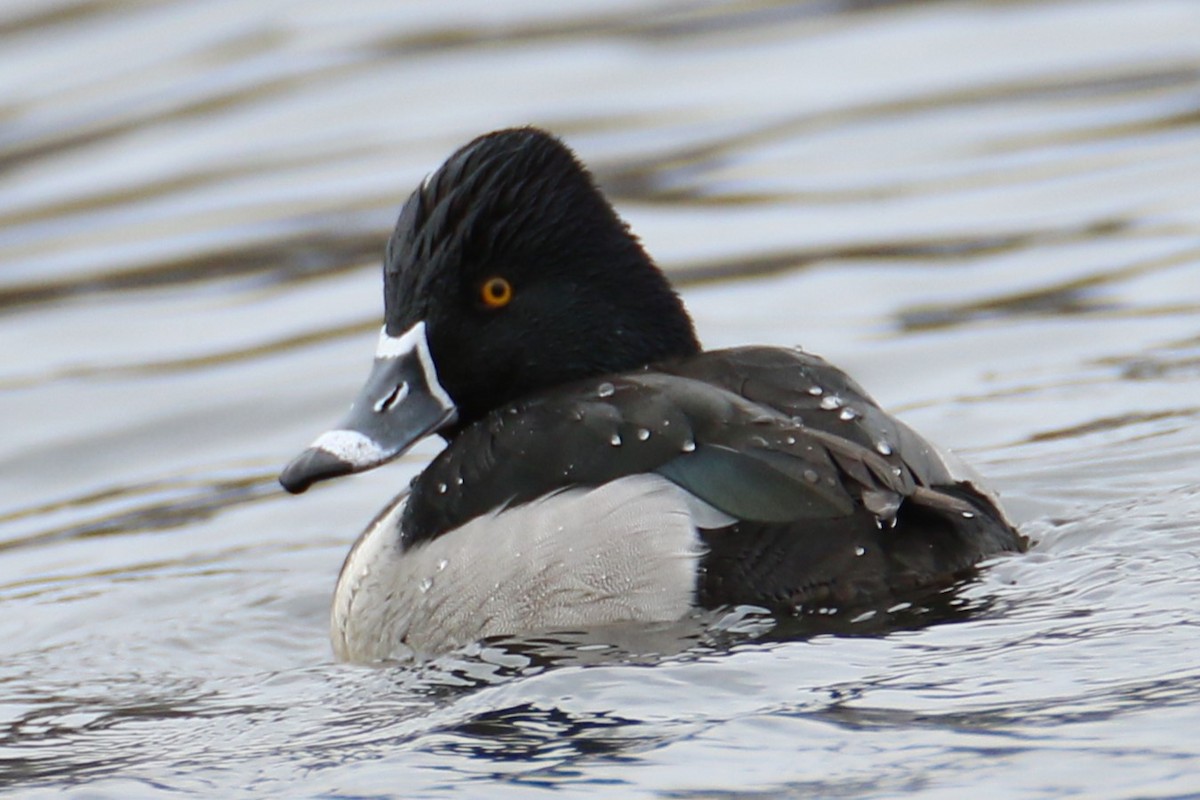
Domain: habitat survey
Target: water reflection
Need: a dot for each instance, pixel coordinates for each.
(134, 509)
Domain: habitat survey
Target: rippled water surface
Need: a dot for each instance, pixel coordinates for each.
(988, 212)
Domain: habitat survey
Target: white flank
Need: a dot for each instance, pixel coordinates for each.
(623, 552)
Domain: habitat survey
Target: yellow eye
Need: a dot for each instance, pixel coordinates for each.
(496, 292)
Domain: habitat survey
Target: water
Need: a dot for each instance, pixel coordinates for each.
(987, 212)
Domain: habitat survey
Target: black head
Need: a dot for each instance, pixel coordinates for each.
(508, 273)
(524, 275)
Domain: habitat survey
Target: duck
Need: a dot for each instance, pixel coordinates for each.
(600, 467)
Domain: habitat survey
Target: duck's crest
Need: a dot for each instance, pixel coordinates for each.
(481, 204)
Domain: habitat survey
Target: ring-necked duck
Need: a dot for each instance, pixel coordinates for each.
(600, 467)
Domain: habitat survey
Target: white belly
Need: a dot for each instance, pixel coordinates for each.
(627, 551)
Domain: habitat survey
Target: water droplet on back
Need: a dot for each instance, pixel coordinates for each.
(831, 401)
(615, 441)
(883, 448)
(847, 414)
(643, 434)
(605, 389)
(688, 446)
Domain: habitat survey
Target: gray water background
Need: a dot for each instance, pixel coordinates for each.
(988, 212)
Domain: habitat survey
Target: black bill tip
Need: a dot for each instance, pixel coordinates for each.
(311, 466)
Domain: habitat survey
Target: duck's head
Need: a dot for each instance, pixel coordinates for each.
(508, 273)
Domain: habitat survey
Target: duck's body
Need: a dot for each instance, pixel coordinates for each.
(600, 467)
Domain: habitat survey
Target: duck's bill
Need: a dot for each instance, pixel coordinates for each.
(401, 403)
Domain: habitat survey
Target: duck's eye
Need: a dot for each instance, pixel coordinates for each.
(496, 292)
